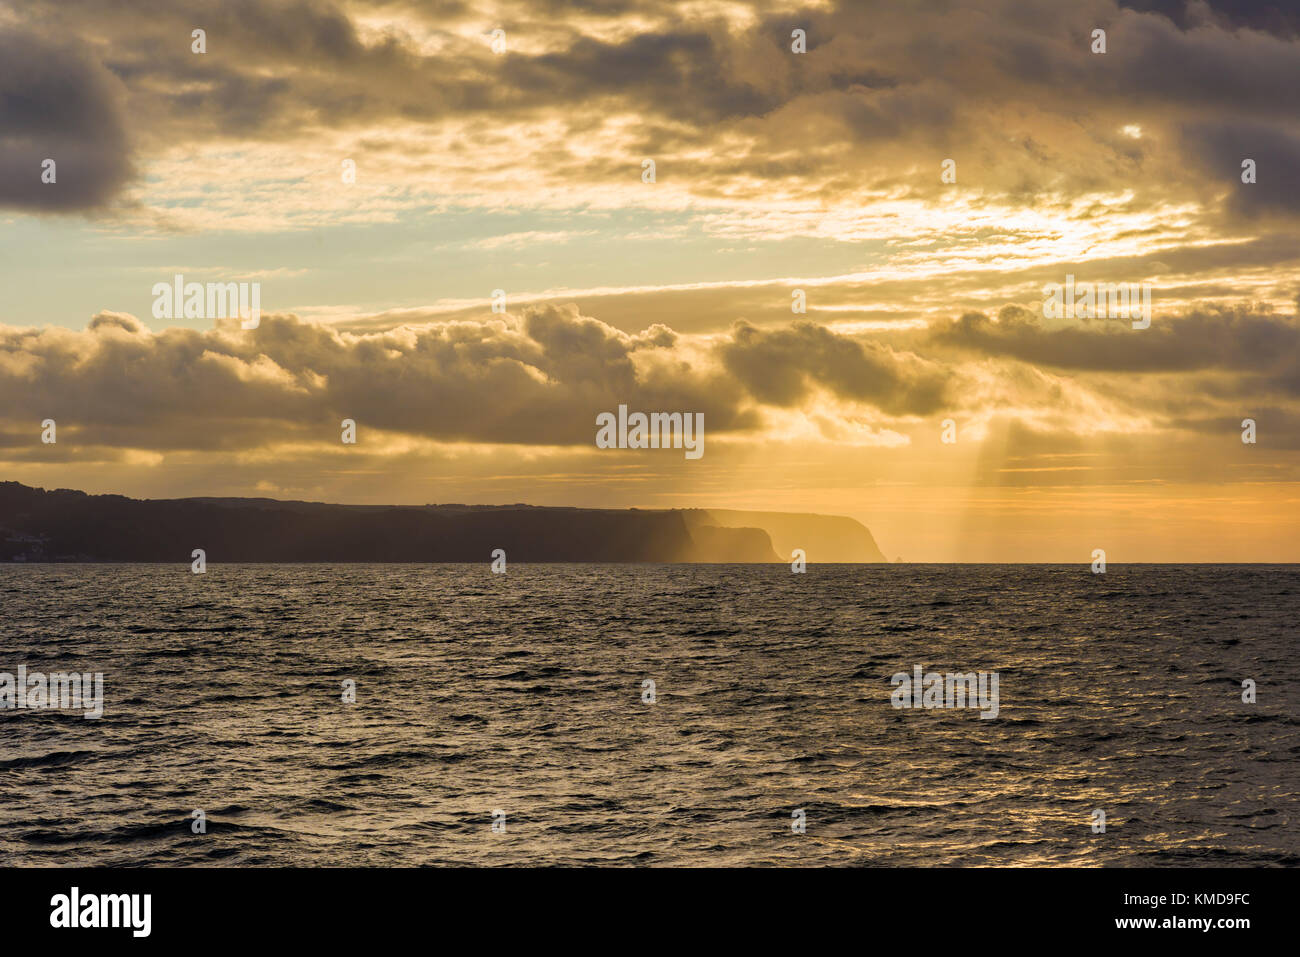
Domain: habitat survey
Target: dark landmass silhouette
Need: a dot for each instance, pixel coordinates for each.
(64, 525)
(825, 538)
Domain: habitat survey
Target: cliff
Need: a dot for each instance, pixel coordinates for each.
(824, 538)
(67, 525)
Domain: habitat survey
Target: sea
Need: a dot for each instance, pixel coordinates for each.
(653, 715)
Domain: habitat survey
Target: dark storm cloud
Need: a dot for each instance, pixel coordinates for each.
(1280, 17)
(57, 103)
(1222, 147)
(1210, 70)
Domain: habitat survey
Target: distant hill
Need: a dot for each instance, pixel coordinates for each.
(65, 525)
(824, 538)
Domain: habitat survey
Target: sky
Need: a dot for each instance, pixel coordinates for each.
(919, 174)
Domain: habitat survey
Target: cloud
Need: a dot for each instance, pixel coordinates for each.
(57, 102)
(1221, 147)
(1250, 343)
(537, 379)
(783, 367)
(1267, 16)
(117, 320)
(886, 90)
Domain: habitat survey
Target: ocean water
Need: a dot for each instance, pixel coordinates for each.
(523, 693)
